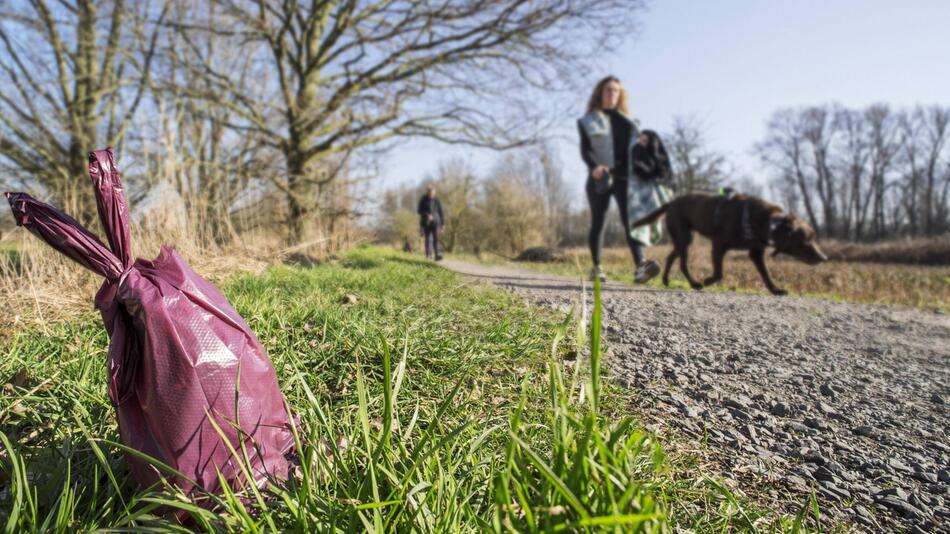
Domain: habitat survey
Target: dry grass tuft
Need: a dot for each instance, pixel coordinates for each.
(920, 286)
(913, 251)
(39, 286)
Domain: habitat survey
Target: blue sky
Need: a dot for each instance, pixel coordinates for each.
(731, 63)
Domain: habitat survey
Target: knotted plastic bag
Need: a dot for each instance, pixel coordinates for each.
(191, 385)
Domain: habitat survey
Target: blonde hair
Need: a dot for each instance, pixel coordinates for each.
(596, 97)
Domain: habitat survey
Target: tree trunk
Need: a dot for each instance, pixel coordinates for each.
(912, 204)
(806, 198)
(296, 210)
(77, 195)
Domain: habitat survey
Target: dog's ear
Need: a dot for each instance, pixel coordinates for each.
(781, 231)
(780, 227)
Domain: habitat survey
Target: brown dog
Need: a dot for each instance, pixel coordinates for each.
(737, 222)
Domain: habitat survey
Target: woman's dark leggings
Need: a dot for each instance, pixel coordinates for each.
(598, 219)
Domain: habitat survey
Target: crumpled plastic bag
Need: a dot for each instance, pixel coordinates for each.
(181, 359)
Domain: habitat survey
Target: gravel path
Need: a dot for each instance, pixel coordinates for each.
(788, 393)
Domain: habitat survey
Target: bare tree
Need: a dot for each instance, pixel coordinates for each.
(456, 185)
(819, 131)
(784, 151)
(747, 184)
(926, 166)
(696, 166)
(73, 75)
(936, 127)
(514, 217)
(351, 74)
(853, 159)
(913, 172)
(398, 220)
(786, 191)
(521, 202)
(868, 173)
(882, 149)
(546, 169)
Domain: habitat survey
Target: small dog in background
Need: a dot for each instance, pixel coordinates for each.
(735, 222)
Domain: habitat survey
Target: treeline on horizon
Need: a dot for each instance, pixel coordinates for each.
(253, 116)
(229, 120)
(861, 175)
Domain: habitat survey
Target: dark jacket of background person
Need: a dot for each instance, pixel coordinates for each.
(430, 206)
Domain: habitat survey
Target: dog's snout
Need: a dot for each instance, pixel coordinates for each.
(817, 256)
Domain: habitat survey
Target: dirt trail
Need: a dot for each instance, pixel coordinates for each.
(790, 393)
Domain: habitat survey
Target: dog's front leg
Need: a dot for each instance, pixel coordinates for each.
(718, 252)
(684, 267)
(758, 258)
(669, 264)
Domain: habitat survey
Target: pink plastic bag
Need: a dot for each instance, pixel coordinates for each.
(176, 353)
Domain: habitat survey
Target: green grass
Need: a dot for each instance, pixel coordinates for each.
(426, 406)
(9, 252)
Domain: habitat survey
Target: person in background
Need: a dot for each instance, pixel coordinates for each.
(607, 137)
(431, 220)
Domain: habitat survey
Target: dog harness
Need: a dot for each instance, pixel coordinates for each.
(746, 234)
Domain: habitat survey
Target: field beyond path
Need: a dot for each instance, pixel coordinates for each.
(790, 393)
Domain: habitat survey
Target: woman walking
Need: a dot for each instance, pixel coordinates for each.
(607, 138)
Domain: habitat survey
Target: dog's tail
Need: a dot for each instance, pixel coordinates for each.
(652, 217)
